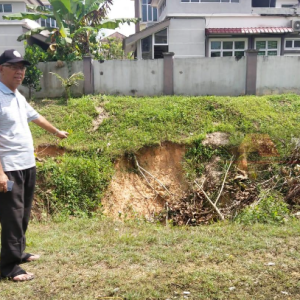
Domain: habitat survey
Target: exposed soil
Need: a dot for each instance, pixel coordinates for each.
(101, 117)
(49, 150)
(130, 193)
(152, 183)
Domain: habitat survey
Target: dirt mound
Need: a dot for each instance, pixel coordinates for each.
(142, 185)
(48, 150)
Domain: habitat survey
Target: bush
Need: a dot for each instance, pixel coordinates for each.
(73, 185)
(270, 210)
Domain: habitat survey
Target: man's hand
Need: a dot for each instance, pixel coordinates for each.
(3, 182)
(62, 134)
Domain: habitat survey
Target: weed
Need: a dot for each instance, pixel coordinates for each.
(271, 209)
(76, 184)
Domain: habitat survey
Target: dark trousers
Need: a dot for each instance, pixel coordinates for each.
(15, 207)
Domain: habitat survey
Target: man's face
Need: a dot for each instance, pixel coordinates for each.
(12, 74)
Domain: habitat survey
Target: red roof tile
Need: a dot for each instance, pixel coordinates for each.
(249, 30)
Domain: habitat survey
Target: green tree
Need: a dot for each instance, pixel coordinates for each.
(34, 54)
(79, 21)
(112, 48)
(67, 83)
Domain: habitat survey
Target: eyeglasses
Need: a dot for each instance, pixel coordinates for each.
(15, 67)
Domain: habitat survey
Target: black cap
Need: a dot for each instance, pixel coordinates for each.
(12, 56)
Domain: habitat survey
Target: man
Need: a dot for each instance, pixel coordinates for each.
(17, 164)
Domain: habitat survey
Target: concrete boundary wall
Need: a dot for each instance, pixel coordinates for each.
(278, 75)
(224, 76)
(125, 77)
(51, 86)
(206, 76)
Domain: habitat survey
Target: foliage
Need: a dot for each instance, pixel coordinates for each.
(78, 23)
(135, 122)
(67, 83)
(271, 209)
(112, 48)
(130, 123)
(34, 54)
(76, 183)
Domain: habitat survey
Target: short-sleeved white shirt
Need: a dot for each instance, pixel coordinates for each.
(16, 144)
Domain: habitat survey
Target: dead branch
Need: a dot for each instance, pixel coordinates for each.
(222, 187)
(141, 170)
(214, 204)
(211, 202)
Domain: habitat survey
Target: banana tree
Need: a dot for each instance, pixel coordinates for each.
(78, 22)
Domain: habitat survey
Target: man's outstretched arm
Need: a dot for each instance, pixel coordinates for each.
(45, 124)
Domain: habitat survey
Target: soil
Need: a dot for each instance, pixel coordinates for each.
(151, 184)
(49, 150)
(130, 193)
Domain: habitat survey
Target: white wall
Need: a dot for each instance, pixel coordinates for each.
(224, 76)
(9, 34)
(51, 86)
(210, 76)
(279, 3)
(16, 7)
(187, 37)
(277, 75)
(178, 7)
(142, 77)
(215, 21)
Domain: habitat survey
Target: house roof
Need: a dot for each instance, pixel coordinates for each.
(116, 35)
(129, 43)
(248, 30)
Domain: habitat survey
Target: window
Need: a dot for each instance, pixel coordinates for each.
(292, 44)
(153, 46)
(223, 48)
(147, 47)
(149, 13)
(210, 1)
(268, 47)
(6, 8)
(49, 22)
(263, 3)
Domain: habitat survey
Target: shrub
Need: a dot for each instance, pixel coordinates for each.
(73, 185)
(270, 210)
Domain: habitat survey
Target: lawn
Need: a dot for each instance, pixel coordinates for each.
(105, 259)
(85, 255)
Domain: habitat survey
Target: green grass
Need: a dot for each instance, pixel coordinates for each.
(136, 122)
(98, 259)
(132, 123)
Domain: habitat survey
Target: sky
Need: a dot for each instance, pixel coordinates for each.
(122, 9)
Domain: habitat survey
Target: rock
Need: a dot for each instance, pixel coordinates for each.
(216, 139)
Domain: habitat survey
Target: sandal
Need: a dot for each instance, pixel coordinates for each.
(20, 276)
(29, 257)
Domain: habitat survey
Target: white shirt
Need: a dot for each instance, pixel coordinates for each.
(16, 144)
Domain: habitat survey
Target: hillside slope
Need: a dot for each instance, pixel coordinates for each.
(161, 157)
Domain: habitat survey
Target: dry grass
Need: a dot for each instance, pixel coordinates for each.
(104, 259)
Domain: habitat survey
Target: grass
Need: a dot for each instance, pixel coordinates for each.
(104, 259)
(136, 122)
(132, 123)
(97, 258)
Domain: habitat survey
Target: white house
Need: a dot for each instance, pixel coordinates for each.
(215, 28)
(10, 30)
